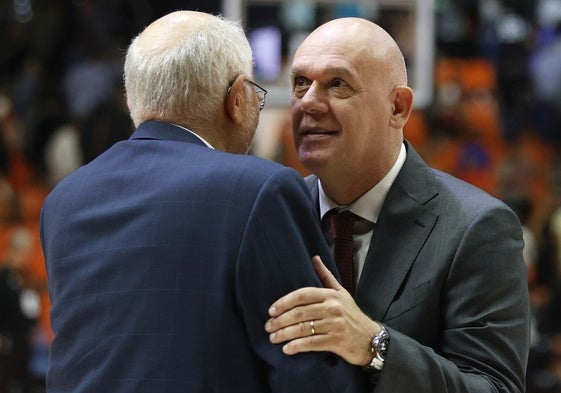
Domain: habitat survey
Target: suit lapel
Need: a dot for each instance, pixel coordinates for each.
(399, 235)
(402, 229)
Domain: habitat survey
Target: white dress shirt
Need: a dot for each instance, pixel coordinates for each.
(198, 136)
(368, 207)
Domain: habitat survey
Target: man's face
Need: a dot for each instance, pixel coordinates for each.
(340, 105)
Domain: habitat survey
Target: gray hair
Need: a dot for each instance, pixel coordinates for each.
(186, 79)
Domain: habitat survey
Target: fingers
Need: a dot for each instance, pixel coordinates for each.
(299, 297)
(312, 330)
(304, 337)
(325, 275)
(304, 319)
(308, 295)
(295, 316)
(317, 342)
(347, 336)
(303, 329)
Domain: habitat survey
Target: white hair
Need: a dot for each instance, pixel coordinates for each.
(186, 79)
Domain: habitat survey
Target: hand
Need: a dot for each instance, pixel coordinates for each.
(339, 326)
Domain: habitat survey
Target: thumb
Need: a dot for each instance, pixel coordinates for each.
(325, 275)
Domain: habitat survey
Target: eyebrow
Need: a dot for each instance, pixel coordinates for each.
(332, 70)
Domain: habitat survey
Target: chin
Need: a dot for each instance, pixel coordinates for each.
(312, 160)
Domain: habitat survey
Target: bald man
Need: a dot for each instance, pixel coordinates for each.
(165, 252)
(440, 298)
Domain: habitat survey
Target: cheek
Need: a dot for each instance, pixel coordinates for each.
(295, 107)
(247, 133)
(358, 131)
(254, 122)
(295, 116)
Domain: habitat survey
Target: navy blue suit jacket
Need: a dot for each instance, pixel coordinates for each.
(163, 257)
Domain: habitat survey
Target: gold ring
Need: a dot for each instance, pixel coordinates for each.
(312, 328)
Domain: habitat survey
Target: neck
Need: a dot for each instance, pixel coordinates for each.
(345, 185)
(343, 191)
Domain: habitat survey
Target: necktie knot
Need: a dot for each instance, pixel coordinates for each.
(342, 225)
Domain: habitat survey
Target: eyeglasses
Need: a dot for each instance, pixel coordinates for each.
(261, 92)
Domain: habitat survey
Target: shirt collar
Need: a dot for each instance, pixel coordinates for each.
(369, 205)
(198, 136)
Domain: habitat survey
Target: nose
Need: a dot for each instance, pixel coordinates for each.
(314, 100)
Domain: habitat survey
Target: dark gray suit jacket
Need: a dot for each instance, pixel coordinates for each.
(445, 274)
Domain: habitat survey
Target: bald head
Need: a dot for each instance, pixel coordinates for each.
(163, 33)
(349, 104)
(361, 37)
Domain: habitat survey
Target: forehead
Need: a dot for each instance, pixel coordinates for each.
(318, 60)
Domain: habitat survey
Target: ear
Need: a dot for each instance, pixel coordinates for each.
(402, 97)
(236, 101)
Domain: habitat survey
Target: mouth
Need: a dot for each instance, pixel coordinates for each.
(319, 132)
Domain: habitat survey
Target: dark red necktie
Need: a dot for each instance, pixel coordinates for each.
(342, 225)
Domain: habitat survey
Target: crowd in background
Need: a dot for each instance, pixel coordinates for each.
(495, 121)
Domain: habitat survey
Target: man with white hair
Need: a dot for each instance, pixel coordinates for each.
(164, 253)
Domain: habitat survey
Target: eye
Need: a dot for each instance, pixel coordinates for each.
(337, 83)
(300, 82)
(300, 86)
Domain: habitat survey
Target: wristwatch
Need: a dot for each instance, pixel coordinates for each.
(378, 347)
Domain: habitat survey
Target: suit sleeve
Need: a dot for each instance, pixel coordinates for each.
(484, 342)
(281, 236)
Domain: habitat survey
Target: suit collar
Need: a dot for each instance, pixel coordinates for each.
(159, 130)
(416, 178)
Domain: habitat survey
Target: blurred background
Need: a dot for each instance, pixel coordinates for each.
(487, 78)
